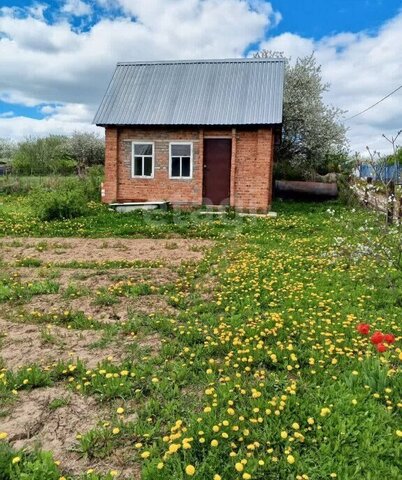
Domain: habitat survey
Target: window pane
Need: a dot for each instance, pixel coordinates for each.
(185, 167)
(175, 167)
(137, 165)
(180, 150)
(148, 166)
(143, 149)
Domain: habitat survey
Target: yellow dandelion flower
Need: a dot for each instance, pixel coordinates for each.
(190, 470)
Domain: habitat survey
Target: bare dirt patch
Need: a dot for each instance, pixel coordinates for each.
(122, 311)
(34, 423)
(107, 249)
(23, 344)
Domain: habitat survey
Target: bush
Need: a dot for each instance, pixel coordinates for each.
(43, 156)
(69, 201)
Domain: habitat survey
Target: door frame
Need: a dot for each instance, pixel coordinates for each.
(232, 170)
(231, 135)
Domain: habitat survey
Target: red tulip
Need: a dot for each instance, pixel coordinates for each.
(377, 338)
(363, 328)
(389, 338)
(381, 348)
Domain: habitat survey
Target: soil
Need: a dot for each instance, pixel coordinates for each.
(23, 344)
(119, 312)
(58, 250)
(34, 424)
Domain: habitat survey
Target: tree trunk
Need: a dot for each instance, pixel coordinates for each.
(390, 202)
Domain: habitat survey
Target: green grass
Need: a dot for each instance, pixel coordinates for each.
(265, 378)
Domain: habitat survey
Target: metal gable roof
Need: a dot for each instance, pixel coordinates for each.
(194, 92)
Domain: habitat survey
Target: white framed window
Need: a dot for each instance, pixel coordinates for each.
(142, 159)
(181, 160)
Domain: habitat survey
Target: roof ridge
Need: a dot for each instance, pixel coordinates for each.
(210, 60)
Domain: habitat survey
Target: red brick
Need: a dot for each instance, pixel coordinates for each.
(251, 169)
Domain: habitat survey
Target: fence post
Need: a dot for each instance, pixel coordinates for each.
(390, 202)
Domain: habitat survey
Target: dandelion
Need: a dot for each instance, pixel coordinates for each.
(116, 430)
(290, 459)
(15, 460)
(3, 435)
(325, 411)
(120, 410)
(145, 454)
(190, 470)
(239, 467)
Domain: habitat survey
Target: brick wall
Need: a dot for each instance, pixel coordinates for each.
(251, 168)
(253, 172)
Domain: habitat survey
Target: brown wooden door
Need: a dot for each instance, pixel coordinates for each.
(217, 154)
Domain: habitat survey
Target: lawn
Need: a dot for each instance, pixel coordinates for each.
(177, 346)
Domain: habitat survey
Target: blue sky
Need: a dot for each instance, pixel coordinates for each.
(317, 18)
(57, 57)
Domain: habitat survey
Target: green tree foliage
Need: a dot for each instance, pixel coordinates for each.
(86, 150)
(7, 150)
(313, 137)
(58, 155)
(42, 156)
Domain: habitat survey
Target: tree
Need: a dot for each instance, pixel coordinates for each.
(86, 149)
(42, 156)
(7, 149)
(313, 136)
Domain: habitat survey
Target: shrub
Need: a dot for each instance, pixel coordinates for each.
(43, 156)
(69, 201)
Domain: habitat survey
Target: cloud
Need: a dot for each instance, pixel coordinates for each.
(47, 63)
(361, 68)
(77, 8)
(64, 68)
(7, 114)
(22, 127)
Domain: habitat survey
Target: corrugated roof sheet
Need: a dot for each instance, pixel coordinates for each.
(194, 92)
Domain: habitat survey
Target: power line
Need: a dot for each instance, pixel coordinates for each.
(375, 104)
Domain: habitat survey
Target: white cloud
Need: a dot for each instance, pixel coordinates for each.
(54, 64)
(361, 68)
(7, 114)
(22, 127)
(77, 8)
(65, 71)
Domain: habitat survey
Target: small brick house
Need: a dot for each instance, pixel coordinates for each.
(192, 133)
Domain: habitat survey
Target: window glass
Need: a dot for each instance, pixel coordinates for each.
(148, 166)
(143, 149)
(175, 167)
(180, 150)
(185, 167)
(138, 166)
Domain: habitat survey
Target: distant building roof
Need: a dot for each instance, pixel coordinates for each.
(194, 92)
